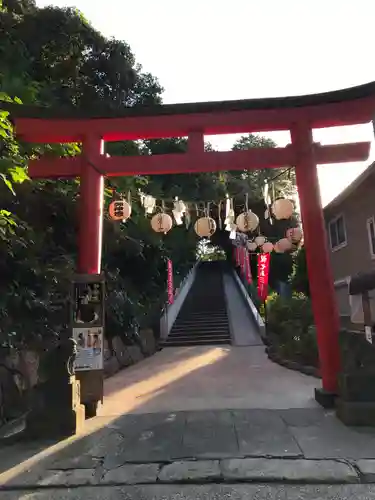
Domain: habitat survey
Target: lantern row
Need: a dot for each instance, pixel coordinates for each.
(290, 243)
(205, 227)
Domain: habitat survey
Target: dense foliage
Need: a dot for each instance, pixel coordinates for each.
(300, 280)
(291, 330)
(54, 57)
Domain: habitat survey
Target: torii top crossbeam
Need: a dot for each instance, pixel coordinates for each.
(343, 107)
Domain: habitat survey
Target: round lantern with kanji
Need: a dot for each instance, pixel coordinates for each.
(252, 246)
(282, 208)
(260, 240)
(283, 245)
(294, 234)
(161, 222)
(267, 247)
(205, 227)
(119, 210)
(247, 221)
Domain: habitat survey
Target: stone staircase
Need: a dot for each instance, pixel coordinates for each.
(203, 318)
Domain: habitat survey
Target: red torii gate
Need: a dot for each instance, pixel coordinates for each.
(299, 115)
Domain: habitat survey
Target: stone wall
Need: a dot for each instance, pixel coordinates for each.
(27, 362)
(121, 356)
(124, 355)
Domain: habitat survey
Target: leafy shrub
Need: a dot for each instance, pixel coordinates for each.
(290, 328)
(300, 280)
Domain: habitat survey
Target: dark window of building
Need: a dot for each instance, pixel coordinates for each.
(337, 232)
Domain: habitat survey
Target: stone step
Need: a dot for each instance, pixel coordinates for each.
(202, 315)
(179, 343)
(181, 325)
(199, 335)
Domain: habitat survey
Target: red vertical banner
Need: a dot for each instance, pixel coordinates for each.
(237, 255)
(170, 282)
(243, 261)
(249, 277)
(263, 273)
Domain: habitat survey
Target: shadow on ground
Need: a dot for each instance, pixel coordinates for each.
(134, 437)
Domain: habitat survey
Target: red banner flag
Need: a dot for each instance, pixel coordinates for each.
(249, 277)
(263, 273)
(237, 255)
(242, 260)
(170, 282)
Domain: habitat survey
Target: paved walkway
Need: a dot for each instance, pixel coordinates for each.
(207, 378)
(198, 415)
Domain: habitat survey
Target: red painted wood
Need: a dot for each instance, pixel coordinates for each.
(196, 142)
(210, 123)
(319, 268)
(54, 168)
(197, 161)
(342, 153)
(300, 119)
(90, 209)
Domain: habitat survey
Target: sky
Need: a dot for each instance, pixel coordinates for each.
(207, 50)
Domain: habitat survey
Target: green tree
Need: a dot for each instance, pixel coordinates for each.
(71, 66)
(70, 63)
(67, 64)
(252, 181)
(300, 279)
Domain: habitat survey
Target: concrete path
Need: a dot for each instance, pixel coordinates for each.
(197, 415)
(207, 378)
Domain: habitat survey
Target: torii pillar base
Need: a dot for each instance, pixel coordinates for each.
(327, 399)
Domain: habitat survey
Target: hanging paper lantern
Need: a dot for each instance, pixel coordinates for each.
(161, 223)
(284, 245)
(260, 240)
(283, 208)
(205, 227)
(277, 248)
(267, 247)
(252, 246)
(247, 221)
(294, 234)
(119, 210)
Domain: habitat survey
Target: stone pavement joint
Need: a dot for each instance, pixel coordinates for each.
(291, 445)
(191, 471)
(132, 474)
(286, 470)
(366, 469)
(255, 470)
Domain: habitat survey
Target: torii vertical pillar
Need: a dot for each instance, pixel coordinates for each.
(318, 263)
(91, 208)
(90, 249)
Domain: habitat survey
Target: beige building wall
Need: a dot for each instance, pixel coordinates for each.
(355, 255)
